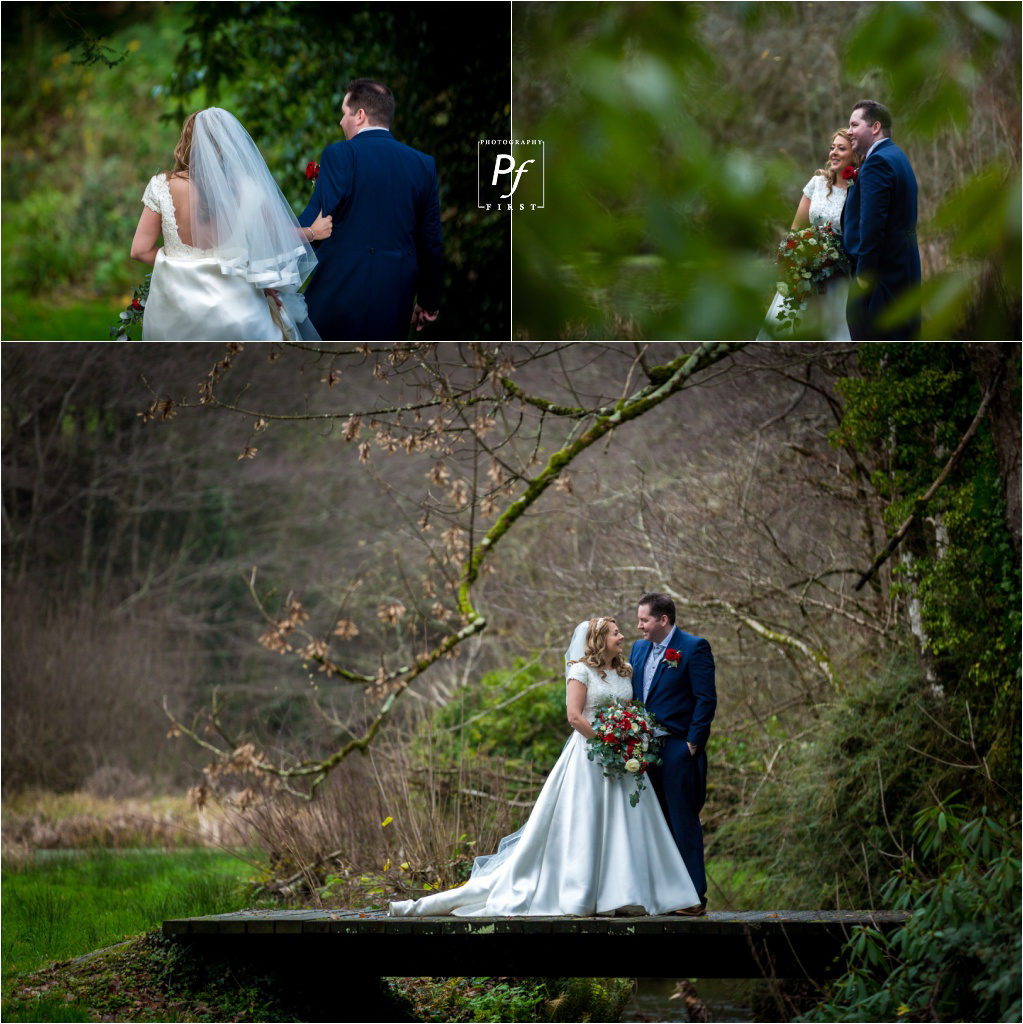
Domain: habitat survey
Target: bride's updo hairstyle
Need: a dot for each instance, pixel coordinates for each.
(828, 172)
(596, 648)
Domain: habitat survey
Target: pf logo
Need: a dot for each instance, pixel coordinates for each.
(505, 164)
(511, 174)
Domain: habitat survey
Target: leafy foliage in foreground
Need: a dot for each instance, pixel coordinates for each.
(516, 999)
(958, 957)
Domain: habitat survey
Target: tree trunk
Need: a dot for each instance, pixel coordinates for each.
(1003, 415)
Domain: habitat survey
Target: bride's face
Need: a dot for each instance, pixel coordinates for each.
(841, 155)
(614, 642)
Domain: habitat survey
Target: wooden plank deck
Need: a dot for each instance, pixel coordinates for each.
(724, 944)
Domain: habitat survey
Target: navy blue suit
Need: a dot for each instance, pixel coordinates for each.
(385, 248)
(683, 700)
(879, 234)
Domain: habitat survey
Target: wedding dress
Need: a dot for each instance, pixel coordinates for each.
(190, 298)
(824, 312)
(584, 850)
(244, 239)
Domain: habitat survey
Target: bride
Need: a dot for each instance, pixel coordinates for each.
(822, 203)
(233, 254)
(584, 850)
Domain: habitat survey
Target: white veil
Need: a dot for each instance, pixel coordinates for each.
(577, 648)
(238, 213)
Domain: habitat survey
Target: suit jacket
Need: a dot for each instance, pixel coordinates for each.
(879, 233)
(683, 698)
(385, 248)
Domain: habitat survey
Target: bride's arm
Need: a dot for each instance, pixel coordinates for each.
(575, 701)
(802, 214)
(144, 245)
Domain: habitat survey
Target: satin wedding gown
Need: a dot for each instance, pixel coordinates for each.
(190, 298)
(584, 850)
(827, 310)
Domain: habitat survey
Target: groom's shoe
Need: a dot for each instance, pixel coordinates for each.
(700, 910)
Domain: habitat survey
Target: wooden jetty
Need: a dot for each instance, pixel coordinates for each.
(723, 944)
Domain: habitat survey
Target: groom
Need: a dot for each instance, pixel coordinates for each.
(381, 266)
(673, 675)
(879, 228)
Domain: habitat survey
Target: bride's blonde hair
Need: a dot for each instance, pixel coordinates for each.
(596, 647)
(829, 174)
(183, 150)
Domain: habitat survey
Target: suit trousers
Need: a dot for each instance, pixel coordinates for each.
(681, 787)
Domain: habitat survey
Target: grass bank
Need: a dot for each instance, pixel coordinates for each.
(26, 318)
(63, 904)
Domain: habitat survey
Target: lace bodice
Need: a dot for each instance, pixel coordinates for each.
(825, 209)
(599, 690)
(157, 197)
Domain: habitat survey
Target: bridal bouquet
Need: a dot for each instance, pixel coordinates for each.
(624, 743)
(808, 259)
(132, 316)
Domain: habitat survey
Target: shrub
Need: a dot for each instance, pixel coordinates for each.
(958, 957)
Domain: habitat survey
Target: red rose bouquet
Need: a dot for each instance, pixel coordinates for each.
(808, 259)
(624, 743)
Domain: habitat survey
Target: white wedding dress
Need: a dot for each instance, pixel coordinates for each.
(825, 312)
(192, 299)
(584, 850)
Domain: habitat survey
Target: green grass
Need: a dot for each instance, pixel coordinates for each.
(25, 318)
(66, 905)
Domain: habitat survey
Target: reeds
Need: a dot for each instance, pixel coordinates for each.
(396, 822)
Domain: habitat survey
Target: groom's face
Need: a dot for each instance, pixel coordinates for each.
(862, 131)
(653, 629)
(348, 125)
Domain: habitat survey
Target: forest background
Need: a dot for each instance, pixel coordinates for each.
(670, 237)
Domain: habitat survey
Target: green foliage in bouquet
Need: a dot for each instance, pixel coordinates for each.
(132, 316)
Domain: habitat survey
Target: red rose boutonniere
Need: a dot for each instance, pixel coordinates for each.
(850, 174)
(672, 657)
(312, 170)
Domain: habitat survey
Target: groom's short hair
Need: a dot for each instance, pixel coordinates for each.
(373, 97)
(659, 604)
(874, 111)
